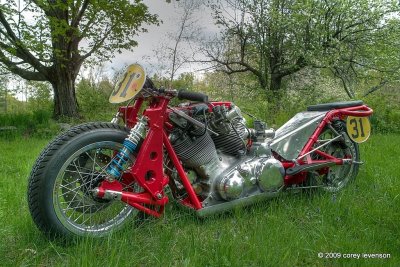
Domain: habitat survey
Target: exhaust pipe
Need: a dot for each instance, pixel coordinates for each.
(241, 202)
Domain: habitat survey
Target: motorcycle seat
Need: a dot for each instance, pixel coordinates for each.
(334, 105)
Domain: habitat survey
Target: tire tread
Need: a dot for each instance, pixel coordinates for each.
(37, 179)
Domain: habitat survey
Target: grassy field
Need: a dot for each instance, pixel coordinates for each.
(286, 231)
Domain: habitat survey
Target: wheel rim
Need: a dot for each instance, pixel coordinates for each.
(340, 175)
(74, 205)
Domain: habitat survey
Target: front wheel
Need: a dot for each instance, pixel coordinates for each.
(61, 182)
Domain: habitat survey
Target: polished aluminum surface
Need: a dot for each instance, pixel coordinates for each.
(270, 175)
(234, 113)
(294, 134)
(138, 132)
(231, 186)
(241, 202)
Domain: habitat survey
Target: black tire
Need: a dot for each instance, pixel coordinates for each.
(62, 176)
(339, 176)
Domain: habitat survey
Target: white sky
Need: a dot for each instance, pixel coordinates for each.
(147, 42)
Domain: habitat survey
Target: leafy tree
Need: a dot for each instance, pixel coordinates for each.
(50, 40)
(39, 95)
(273, 39)
(179, 46)
(3, 93)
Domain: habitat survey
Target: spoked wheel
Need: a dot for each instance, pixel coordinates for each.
(339, 176)
(61, 183)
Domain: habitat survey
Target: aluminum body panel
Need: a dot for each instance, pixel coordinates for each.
(294, 134)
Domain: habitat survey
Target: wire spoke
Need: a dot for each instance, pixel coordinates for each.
(82, 173)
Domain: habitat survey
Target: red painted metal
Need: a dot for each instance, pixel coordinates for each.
(148, 168)
(358, 111)
(325, 155)
(287, 164)
(106, 185)
(143, 198)
(185, 180)
(212, 104)
(129, 113)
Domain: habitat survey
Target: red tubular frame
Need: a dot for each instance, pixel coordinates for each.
(148, 169)
(357, 111)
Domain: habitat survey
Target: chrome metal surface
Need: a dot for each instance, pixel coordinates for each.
(308, 167)
(234, 113)
(270, 174)
(241, 202)
(293, 135)
(269, 133)
(112, 195)
(116, 118)
(261, 149)
(231, 186)
(138, 132)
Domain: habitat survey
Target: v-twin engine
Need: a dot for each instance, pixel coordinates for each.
(221, 166)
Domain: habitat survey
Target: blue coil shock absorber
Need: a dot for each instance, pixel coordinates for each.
(137, 133)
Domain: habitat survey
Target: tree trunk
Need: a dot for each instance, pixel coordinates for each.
(274, 92)
(65, 103)
(275, 83)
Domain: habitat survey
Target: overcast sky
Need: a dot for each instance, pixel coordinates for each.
(169, 13)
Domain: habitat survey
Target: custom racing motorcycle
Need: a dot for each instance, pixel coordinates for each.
(92, 178)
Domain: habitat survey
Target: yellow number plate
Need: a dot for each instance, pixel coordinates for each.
(129, 85)
(358, 128)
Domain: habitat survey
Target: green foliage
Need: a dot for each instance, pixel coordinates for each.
(93, 100)
(40, 95)
(305, 88)
(29, 123)
(386, 117)
(273, 39)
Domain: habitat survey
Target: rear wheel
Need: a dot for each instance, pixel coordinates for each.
(339, 176)
(61, 183)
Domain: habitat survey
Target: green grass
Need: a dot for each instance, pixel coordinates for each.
(286, 231)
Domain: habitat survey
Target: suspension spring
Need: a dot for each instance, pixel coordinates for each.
(118, 164)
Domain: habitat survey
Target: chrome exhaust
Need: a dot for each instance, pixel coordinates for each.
(241, 202)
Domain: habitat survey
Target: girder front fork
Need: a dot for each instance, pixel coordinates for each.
(111, 188)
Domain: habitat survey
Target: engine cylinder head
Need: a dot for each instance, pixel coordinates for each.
(231, 143)
(195, 151)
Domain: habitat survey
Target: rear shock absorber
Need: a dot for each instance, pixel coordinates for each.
(137, 133)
